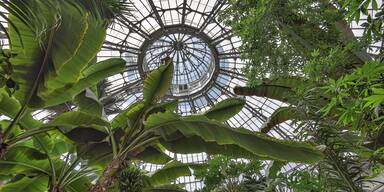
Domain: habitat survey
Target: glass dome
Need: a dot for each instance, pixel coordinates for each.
(207, 64)
(193, 58)
(205, 56)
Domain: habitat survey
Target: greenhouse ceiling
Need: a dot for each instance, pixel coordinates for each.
(174, 95)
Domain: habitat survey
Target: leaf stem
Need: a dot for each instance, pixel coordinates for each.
(30, 134)
(17, 118)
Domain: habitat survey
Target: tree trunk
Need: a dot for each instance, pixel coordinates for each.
(53, 189)
(108, 178)
(3, 147)
(347, 35)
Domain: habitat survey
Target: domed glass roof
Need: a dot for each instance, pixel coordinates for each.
(206, 58)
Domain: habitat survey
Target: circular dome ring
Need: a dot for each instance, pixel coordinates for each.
(185, 30)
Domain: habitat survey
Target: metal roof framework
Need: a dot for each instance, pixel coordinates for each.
(137, 38)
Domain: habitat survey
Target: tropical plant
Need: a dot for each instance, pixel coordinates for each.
(370, 9)
(345, 153)
(133, 179)
(226, 174)
(143, 132)
(25, 168)
(47, 65)
(145, 129)
(279, 36)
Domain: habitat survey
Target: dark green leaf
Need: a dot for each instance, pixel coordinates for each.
(88, 102)
(211, 131)
(127, 118)
(77, 118)
(171, 171)
(92, 76)
(280, 93)
(153, 155)
(26, 184)
(226, 109)
(157, 82)
(281, 115)
(86, 134)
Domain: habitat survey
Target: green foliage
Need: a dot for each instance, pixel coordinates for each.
(223, 172)
(172, 171)
(303, 181)
(39, 168)
(341, 96)
(226, 109)
(355, 9)
(332, 64)
(281, 115)
(158, 82)
(133, 179)
(32, 63)
(357, 98)
(26, 184)
(211, 131)
(50, 62)
(47, 65)
(154, 154)
(278, 36)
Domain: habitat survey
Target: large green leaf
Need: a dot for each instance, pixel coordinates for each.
(153, 155)
(86, 134)
(92, 75)
(226, 109)
(212, 131)
(26, 184)
(64, 48)
(165, 188)
(77, 118)
(157, 83)
(127, 118)
(97, 154)
(194, 144)
(81, 127)
(276, 92)
(28, 61)
(171, 171)
(281, 115)
(88, 102)
(9, 106)
(79, 185)
(22, 159)
(57, 65)
(280, 89)
(71, 54)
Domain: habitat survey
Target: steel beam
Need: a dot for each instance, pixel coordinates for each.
(156, 12)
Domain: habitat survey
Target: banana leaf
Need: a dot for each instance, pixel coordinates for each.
(281, 115)
(157, 83)
(226, 109)
(212, 131)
